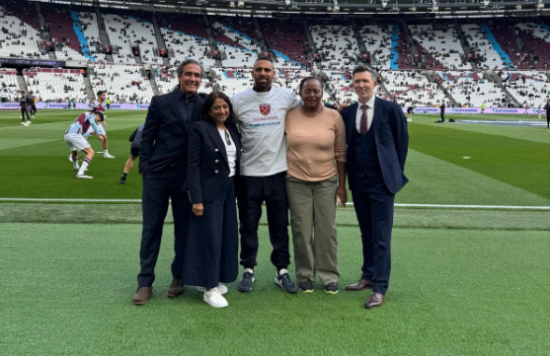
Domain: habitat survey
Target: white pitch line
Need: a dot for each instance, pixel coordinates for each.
(442, 206)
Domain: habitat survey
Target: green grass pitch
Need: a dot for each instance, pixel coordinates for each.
(464, 281)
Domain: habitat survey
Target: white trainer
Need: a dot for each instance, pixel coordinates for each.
(215, 298)
(28, 123)
(221, 288)
(106, 155)
(70, 157)
(22, 123)
(83, 176)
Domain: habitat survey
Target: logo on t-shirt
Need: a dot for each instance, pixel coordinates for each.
(265, 109)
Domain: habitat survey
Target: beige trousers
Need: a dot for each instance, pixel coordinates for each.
(313, 222)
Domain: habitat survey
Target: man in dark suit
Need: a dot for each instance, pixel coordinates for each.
(163, 164)
(378, 140)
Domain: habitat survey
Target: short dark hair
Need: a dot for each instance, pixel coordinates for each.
(263, 59)
(101, 116)
(362, 69)
(209, 102)
(307, 79)
(101, 92)
(182, 65)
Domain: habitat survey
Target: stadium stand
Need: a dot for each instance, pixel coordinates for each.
(132, 29)
(412, 88)
(376, 39)
(9, 88)
(287, 39)
(56, 85)
(62, 25)
(471, 89)
(536, 39)
(239, 44)
(512, 48)
(18, 38)
(186, 37)
(442, 43)
(337, 44)
(484, 44)
(123, 83)
(90, 29)
(530, 87)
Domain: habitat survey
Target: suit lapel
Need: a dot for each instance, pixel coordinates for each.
(352, 119)
(218, 142)
(377, 117)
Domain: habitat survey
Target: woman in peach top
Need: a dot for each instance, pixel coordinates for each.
(315, 180)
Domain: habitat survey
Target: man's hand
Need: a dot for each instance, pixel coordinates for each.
(198, 209)
(341, 196)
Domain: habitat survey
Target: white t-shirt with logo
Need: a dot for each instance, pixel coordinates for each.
(261, 118)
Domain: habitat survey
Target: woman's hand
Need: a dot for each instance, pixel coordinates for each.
(198, 209)
(341, 196)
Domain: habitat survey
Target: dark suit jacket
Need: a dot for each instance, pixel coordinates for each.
(391, 137)
(207, 165)
(164, 137)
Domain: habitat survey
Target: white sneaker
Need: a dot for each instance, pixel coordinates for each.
(221, 288)
(106, 155)
(214, 298)
(32, 117)
(70, 158)
(22, 123)
(83, 176)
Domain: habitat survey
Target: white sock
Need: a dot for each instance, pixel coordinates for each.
(105, 152)
(85, 164)
(75, 164)
(283, 271)
(249, 270)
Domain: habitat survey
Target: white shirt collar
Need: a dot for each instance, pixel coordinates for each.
(369, 103)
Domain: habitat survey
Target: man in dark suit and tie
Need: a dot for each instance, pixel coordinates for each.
(378, 140)
(163, 165)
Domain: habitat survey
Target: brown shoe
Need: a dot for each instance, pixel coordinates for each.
(375, 300)
(176, 288)
(361, 284)
(142, 295)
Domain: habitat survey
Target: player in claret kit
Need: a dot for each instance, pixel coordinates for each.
(99, 106)
(75, 136)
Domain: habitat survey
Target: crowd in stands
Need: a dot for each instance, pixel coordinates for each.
(500, 46)
(123, 83)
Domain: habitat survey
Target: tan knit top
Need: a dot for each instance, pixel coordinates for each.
(314, 144)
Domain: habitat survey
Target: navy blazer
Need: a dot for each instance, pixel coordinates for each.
(164, 137)
(207, 164)
(391, 137)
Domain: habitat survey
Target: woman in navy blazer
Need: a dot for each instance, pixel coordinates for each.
(211, 254)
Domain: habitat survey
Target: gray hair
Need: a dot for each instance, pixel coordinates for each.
(186, 62)
(362, 69)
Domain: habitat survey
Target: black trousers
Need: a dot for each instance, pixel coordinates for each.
(548, 122)
(212, 248)
(442, 114)
(158, 189)
(375, 216)
(252, 192)
(33, 110)
(25, 112)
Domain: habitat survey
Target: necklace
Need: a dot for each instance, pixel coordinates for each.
(227, 138)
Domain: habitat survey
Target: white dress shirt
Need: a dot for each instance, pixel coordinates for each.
(370, 114)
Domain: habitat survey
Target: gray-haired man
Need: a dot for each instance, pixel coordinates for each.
(163, 165)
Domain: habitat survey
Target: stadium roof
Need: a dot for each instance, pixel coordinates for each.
(439, 8)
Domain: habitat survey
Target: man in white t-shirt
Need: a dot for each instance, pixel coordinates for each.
(261, 112)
